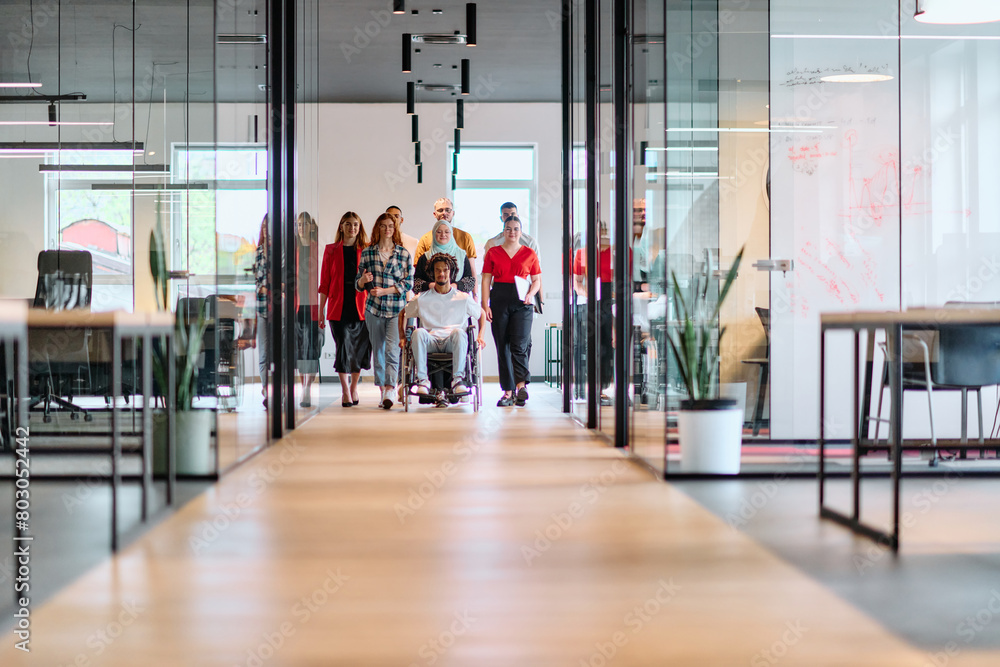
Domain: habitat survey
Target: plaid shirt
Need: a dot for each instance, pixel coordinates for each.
(398, 273)
(261, 274)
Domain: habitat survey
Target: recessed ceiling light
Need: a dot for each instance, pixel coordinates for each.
(855, 78)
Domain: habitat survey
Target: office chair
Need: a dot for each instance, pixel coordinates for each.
(764, 368)
(968, 359)
(60, 361)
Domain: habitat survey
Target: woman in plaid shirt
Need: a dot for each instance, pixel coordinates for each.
(385, 271)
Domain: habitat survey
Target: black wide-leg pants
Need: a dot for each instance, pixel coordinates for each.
(512, 333)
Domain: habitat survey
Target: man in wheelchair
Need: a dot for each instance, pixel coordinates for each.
(443, 312)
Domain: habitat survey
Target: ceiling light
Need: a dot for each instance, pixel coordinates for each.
(438, 87)
(56, 122)
(856, 78)
(953, 12)
(466, 75)
(398, 6)
(14, 84)
(414, 129)
(241, 38)
(460, 113)
(470, 24)
(416, 154)
(407, 52)
(129, 168)
(458, 140)
(35, 146)
(410, 97)
(428, 38)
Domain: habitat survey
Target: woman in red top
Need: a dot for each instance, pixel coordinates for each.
(345, 306)
(510, 313)
(606, 279)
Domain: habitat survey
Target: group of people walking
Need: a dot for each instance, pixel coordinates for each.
(364, 285)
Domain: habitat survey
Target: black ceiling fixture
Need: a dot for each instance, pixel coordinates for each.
(466, 75)
(398, 6)
(470, 24)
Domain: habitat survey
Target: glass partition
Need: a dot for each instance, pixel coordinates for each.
(579, 215)
(238, 164)
(649, 354)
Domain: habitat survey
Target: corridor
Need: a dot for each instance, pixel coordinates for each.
(514, 537)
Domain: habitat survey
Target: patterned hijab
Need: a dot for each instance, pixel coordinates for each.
(450, 247)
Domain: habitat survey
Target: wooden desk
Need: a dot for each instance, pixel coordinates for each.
(893, 323)
(122, 325)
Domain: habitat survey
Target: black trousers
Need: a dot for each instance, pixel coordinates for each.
(512, 333)
(607, 329)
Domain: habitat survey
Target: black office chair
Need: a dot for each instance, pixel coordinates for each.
(59, 361)
(764, 368)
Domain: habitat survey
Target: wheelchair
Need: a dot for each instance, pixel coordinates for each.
(439, 373)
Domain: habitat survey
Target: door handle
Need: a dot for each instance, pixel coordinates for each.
(774, 265)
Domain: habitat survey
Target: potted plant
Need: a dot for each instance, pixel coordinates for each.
(194, 427)
(710, 429)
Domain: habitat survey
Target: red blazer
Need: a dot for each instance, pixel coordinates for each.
(331, 281)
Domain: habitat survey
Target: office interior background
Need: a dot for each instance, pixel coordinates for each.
(849, 145)
(848, 149)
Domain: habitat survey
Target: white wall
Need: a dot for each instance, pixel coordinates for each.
(351, 157)
(359, 157)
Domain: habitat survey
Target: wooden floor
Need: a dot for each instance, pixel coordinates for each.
(510, 538)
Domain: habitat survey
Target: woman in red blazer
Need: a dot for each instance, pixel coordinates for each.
(345, 306)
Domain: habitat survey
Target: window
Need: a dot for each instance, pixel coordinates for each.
(489, 175)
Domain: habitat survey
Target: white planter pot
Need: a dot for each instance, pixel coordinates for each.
(711, 439)
(195, 454)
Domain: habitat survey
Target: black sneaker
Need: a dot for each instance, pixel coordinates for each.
(505, 402)
(522, 397)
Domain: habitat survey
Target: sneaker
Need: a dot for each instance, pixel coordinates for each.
(387, 399)
(422, 388)
(505, 402)
(458, 388)
(606, 400)
(521, 397)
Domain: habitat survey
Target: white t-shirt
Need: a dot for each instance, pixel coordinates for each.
(440, 314)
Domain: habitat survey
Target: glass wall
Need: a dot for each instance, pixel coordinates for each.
(240, 166)
(107, 140)
(578, 219)
(649, 354)
(842, 149)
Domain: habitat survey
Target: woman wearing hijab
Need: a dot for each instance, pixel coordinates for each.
(442, 240)
(344, 306)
